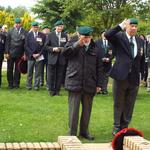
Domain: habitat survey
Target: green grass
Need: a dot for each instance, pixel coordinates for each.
(35, 116)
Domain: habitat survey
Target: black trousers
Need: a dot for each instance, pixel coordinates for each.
(1, 62)
(124, 94)
(74, 105)
(55, 75)
(13, 74)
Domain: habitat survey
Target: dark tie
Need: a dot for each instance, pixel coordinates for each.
(132, 46)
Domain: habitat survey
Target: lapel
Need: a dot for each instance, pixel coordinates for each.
(127, 45)
(32, 37)
(55, 38)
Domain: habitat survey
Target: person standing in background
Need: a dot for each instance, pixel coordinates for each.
(2, 49)
(106, 48)
(56, 61)
(14, 50)
(46, 31)
(34, 44)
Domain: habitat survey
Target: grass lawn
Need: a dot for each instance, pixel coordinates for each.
(35, 116)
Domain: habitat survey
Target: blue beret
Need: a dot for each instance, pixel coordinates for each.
(59, 22)
(85, 30)
(35, 23)
(17, 20)
(133, 21)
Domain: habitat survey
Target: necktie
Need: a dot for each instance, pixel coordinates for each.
(58, 35)
(132, 46)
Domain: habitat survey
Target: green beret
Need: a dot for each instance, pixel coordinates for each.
(17, 20)
(35, 23)
(58, 23)
(44, 27)
(85, 30)
(0, 26)
(133, 21)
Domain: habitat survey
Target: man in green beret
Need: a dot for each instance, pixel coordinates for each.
(34, 44)
(56, 61)
(82, 81)
(14, 50)
(125, 71)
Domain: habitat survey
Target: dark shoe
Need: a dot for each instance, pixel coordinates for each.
(57, 93)
(16, 86)
(115, 131)
(36, 88)
(29, 88)
(52, 93)
(10, 87)
(87, 136)
(41, 84)
(105, 92)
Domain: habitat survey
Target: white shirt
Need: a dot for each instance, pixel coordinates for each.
(134, 42)
(59, 36)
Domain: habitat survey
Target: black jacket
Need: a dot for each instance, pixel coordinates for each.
(2, 44)
(107, 53)
(34, 45)
(51, 42)
(84, 67)
(125, 66)
(15, 42)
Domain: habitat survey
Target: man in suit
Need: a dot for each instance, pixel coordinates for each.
(106, 49)
(46, 31)
(2, 48)
(56, 61)
(125, 71)
(34, 50)
(82, 79)
(14, 50)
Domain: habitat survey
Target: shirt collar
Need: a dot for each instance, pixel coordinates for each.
(128, 36)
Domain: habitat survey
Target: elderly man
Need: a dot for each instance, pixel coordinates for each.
(82, 79)
(14, 50)
(34, 49)
(56, 61)
(125, 71)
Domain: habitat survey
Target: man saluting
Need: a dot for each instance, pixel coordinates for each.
(125, 71)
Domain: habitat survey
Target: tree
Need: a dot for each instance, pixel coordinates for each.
(49, 10)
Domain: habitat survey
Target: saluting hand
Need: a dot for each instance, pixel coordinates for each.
(124, 23)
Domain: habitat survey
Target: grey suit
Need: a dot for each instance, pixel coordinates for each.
(15, 48)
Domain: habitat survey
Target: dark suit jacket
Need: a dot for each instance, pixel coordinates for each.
(15, 42)
(125, 66)
(107, 53)
(34, 46)
(2, 45)
(52, 41)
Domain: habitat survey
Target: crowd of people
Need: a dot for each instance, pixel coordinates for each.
(83, 66)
